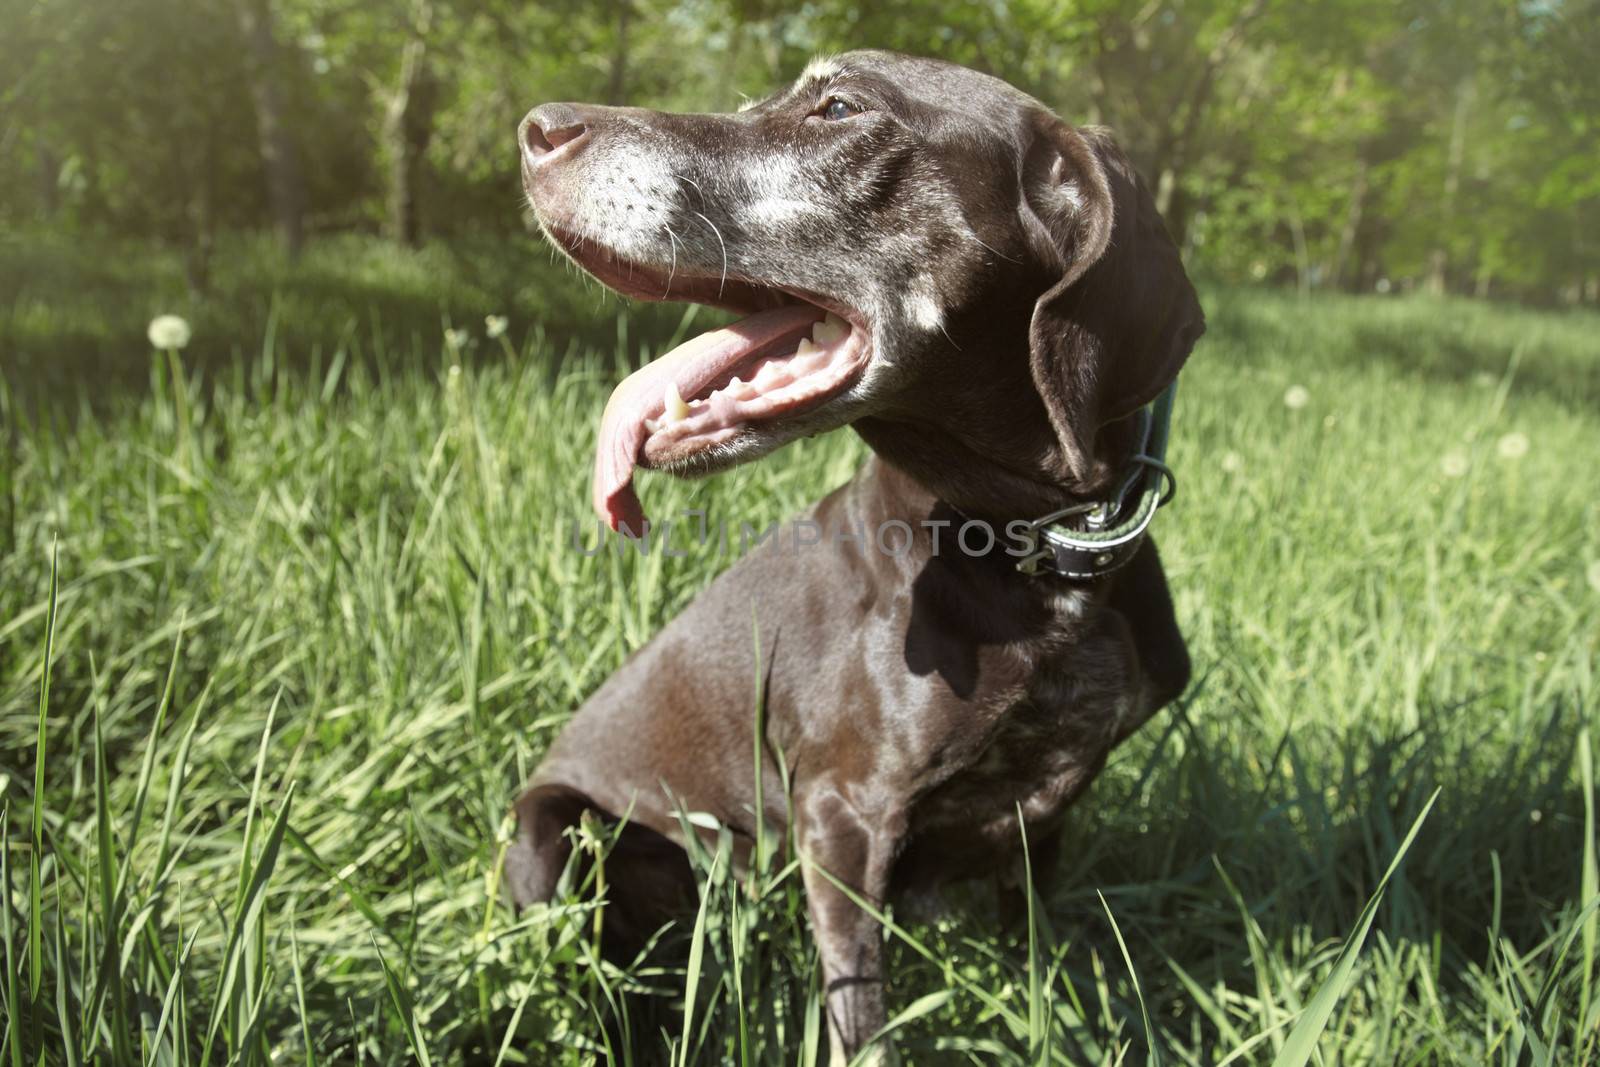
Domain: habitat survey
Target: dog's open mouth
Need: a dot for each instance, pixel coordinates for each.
(791, 354)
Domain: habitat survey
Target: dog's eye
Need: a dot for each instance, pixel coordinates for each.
(835, 110)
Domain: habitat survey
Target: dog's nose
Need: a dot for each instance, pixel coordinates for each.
(550, 128)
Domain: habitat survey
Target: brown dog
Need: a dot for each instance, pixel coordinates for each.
(1000, 297)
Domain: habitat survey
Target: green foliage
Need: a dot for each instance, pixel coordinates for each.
(1344, 145)
(289, 680)
(127, 113)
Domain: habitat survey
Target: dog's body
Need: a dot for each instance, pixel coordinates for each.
(1010, 298)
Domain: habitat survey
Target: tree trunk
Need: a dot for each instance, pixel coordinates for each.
(407, 130)
(201, 212)
(49, 173)
(1302, 255)
(1174, 204)
(1166, 185)
(279, 158)
(1352, 226)
(617, 84)
(1439, 259)
(1172, 152)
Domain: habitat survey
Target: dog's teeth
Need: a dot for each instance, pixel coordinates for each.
(806, 347)
(830, 329)
(651, 426)
(675, 409)
(734, 382)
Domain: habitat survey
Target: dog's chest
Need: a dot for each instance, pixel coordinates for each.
(1042, 750)
(1037, 759)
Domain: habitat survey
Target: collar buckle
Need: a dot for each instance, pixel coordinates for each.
(1113, 529)
(1033, 555)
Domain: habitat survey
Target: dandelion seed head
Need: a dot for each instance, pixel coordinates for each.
(1296, 397)
(169, 332)
(1513, 445)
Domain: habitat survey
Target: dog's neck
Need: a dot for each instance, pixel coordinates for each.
(972, 428)
(1003, 464)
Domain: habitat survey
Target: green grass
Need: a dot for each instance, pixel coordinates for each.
(70, 306)
(264, 700)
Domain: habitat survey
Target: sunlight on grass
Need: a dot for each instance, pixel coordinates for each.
(263, 717)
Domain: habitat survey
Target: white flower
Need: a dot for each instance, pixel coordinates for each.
(1232, 462)
(495, 326)
(1513, 445)
(1296, 397)
(168, 331)
(1455, 463)
(1594, 576)
(457, 338)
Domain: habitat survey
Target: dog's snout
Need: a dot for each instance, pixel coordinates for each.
(549, 128)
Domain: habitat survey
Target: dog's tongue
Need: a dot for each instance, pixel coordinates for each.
(691, 367)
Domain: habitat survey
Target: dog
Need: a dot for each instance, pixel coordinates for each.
(989, 298)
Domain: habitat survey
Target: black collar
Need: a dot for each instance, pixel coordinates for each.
(1092, 539)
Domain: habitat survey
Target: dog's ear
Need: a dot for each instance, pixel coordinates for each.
(1115, 329)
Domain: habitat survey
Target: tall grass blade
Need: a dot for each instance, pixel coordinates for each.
(1301, 1043)
(1138, 991)
(64, 971)
(254, 803)
(174, 990)
(1589, 895)
(1038, 1019)
(180, 766)
(35, 882)
(926, 1004)
(10, 995)
(147, 764)
(109, 980)
(811, 1025)
(697, 951)
(245, 917)
(298, 975)
(405, 1009)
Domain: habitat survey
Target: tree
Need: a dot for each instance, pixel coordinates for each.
(408, 126)
(279, 156)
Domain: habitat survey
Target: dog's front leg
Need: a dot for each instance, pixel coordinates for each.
(847, 848)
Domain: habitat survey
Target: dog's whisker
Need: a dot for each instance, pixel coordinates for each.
(971, 236)
(723, 283)
(673, 269)
(690, 181)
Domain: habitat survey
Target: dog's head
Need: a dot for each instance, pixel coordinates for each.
(915, 245)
